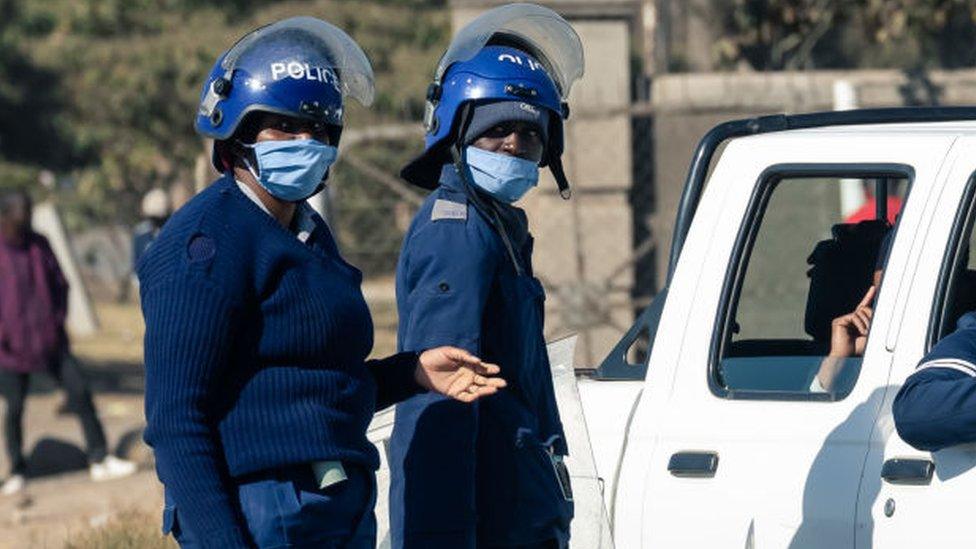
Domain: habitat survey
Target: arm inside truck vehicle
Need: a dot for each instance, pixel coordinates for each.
(796, 321)
(849, 332)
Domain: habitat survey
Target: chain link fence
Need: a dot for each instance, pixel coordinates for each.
(595, 254)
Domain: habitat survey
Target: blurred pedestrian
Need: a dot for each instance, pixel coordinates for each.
(258, 391)
(155, 211)
(870, 205)
(33, 307)
(464, 278)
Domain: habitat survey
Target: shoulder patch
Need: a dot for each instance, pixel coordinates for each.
(201, 248)
(447, 209)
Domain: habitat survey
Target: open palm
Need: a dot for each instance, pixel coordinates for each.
(457, 373)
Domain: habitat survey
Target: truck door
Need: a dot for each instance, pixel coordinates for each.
(910, 498)
(749, 434)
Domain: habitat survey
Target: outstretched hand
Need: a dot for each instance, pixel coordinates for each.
(457, 373)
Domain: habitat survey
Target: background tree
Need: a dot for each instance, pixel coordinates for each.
(808, 34)
(103, 92)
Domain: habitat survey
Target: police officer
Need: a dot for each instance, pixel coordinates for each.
(489, 475)
(936, 406)
(258, 392)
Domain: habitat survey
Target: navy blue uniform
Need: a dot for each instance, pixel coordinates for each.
(936, 407)
(256, 347)
(286, 508)
(142, 237)
(481, 475)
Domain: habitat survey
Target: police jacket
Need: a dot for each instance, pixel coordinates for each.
(463, 475)
(936, 407)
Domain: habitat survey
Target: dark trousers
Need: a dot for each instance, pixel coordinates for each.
(286, 508)
(67, 372)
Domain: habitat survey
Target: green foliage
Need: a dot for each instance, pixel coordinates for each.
(104, 91)
(17, 176)
(802, 34)
(30, 105)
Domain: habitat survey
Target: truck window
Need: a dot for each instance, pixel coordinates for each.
(801, 287)
(956, 295)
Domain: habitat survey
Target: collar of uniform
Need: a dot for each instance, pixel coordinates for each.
(249, 192)
(512, 216)
(450, 178)
(303, 225)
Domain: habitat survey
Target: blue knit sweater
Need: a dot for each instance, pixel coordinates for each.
(256, 350)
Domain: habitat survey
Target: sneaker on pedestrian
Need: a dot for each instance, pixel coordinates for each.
(111, 467)
(13, 485)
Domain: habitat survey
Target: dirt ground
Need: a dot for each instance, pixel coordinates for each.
(61, 503)
(60, 500)
(69, 505)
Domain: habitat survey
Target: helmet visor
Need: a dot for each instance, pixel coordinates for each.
(541, 31)
(304, 48)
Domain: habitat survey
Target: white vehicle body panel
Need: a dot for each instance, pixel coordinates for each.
(936, 514)
(789, 472)
(608, 406)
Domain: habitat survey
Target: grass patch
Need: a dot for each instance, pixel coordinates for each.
(128, 530)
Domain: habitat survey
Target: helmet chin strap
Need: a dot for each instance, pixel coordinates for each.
(556, 167)
(486, 205)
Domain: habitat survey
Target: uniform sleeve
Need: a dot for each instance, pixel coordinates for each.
(189, 329)
(395, 379)
(449, 268)
(936, 406)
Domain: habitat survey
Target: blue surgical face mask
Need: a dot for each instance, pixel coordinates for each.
(505, 177)
(291, 169)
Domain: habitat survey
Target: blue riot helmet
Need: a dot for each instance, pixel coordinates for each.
(301, 67)
(519, 53)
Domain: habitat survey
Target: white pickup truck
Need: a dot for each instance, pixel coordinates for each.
(751, 424)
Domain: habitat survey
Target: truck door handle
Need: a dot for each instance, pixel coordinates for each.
(693, 464)
(907, 471)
